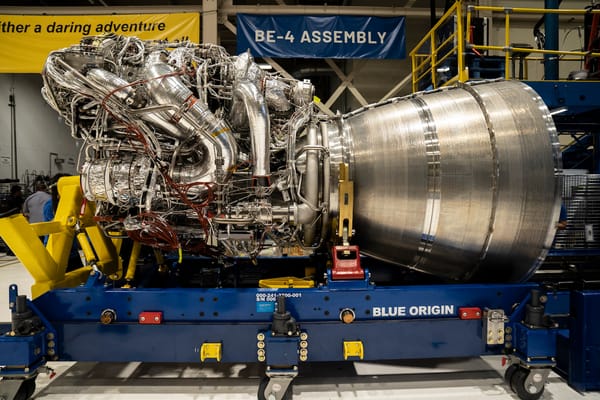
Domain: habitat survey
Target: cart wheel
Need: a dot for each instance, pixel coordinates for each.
(517, 383)
(263, 385)
(509, 373)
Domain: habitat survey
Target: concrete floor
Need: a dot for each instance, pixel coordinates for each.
(479, 378)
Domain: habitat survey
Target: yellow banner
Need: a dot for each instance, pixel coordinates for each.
(26, 40)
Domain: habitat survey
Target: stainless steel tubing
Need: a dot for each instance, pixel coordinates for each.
(166, 88)
(247, 95)
(311, 185)
(109, 82)
(458, 183)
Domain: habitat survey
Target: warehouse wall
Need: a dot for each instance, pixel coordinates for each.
(39, 130)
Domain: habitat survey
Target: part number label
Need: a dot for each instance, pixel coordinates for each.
(272, 296)
(265, 301)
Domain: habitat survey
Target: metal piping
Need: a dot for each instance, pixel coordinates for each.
(202, 171)
(325, 216)
(166, 88)
(246, 93)
(107, 80)
(297, 121)
(311, 185)
(160, 121)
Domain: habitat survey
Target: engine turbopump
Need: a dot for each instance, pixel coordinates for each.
(186, 147)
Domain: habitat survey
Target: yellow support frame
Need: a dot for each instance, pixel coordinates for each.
(48, 264)
(346, 203)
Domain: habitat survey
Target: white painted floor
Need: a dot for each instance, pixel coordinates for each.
(480, 378)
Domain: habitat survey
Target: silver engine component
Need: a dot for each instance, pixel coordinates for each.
(185, 146)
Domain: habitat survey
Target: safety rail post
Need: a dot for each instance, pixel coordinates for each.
(460, 56)
(507, 51)
(468, 37)
(413, 68)
(433, 48)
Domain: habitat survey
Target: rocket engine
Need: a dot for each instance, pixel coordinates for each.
(187, 147)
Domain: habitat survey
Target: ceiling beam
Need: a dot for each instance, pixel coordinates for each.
(227, 8)
(98, 10)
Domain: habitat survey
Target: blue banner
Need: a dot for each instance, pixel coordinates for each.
(305, 36)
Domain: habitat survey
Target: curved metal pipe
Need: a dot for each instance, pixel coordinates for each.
(247, 94)
(158, 120)
(297, 121)
(311, 185)
(123, 91)
(325, 216)
(107, 80)
(205, 170)
(201, 172)
(167, 88)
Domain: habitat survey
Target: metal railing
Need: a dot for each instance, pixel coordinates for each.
(440, 51)
(432, 52)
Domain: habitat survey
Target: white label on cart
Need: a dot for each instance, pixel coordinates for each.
(265, 300)
(438, 310)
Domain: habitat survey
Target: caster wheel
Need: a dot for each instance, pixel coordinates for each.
(263, 385)
(510, 372)
(517, 383)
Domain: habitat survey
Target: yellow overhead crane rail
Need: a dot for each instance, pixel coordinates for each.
(47, 264)
(431, 53)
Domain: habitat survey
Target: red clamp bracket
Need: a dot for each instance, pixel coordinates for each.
(346, 263)
(150, 317)
(469, 313)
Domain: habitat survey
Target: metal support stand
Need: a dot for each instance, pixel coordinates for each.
(278, 384)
